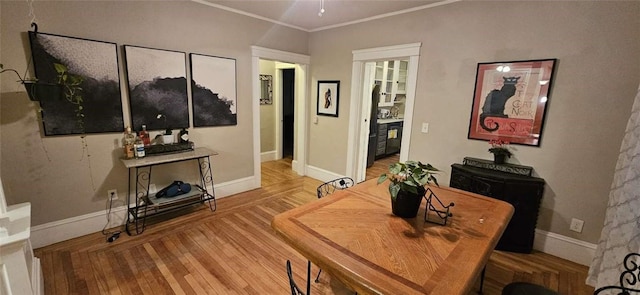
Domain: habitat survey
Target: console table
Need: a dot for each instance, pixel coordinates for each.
(508, 182)
(145, 205)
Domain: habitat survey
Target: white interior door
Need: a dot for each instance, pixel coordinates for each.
(367, 89)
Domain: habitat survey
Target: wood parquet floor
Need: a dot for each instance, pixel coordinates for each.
(235, 251)
(381, 166)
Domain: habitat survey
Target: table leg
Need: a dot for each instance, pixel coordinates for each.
(126, 224)
(143, 180)
(308, 277)
(206, 179)
(484, 269)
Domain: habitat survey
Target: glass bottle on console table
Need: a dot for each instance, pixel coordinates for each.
(183, 136)
(127, 143)
(138, 147)
(144, 136)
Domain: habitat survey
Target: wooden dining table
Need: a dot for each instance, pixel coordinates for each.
(353, 236)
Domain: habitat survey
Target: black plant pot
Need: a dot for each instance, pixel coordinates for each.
(499, 158)
(43, 91)
(407, 204)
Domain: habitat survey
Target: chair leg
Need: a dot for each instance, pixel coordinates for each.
(318, 279)
(308, 277)
(482, 279)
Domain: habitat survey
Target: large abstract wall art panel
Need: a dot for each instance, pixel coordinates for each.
(85, 74)
(213, 89)
(157, 88)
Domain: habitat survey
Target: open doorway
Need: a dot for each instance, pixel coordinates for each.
(288, 108)
(387, 107)
(277, 110)
(299, 65)
(384, 62)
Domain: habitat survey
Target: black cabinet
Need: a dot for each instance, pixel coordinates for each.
(389, 139)
(394, 137)
(522, 191)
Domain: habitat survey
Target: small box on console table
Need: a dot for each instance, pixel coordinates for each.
(160, 149)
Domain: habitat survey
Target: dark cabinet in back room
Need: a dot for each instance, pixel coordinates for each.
(394, 137)
(511, 185)
(389, 137)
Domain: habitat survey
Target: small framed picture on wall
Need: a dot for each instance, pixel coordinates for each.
(328, 98)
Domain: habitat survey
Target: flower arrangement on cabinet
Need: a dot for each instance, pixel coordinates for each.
(500, 150)
(500, 147)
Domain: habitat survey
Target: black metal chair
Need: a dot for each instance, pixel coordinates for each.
(629, 279)
(331, 186)
(295, 290)
(328, 188)
(629, 282)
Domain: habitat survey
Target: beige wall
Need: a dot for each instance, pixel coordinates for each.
(55, 174)
(328, 138)
(598, 71)
(268, 112)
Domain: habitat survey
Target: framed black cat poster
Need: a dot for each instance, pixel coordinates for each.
(510, 101)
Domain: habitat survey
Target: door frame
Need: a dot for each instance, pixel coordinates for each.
(359, 113)
(301, 62)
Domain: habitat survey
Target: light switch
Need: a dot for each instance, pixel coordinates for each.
(425, 128)
(315, 120)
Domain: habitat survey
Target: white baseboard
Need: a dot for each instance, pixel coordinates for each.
(321, 174)
(62, 230)
(298, 168)
(564, 247)
(268, 156)
(235, 187)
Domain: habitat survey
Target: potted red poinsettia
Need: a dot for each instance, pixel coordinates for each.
(500, 150)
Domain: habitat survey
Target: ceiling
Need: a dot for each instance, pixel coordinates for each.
(303, 14)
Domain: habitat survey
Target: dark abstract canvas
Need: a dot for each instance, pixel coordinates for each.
(96, 104)
(157, 86)
(213, 89)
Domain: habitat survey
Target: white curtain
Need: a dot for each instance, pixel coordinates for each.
(621, 232)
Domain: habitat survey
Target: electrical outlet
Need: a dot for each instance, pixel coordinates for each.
(113, 194)
(425, 128)
(576, 225)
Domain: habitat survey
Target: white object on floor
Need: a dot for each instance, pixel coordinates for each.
(20, 271)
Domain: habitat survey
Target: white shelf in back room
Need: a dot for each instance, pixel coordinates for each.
(392, 120)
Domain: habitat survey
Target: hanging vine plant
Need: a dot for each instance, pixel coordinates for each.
(72, 90)
(73, 93)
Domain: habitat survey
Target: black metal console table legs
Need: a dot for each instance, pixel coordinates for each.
(206, 179)
(140, 206)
